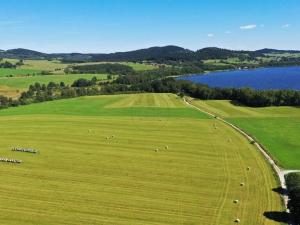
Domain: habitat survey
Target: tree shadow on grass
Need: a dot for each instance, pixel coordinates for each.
(236, 103)
(282, 217)
(280, 190)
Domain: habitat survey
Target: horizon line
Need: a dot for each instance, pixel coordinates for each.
(154, 46)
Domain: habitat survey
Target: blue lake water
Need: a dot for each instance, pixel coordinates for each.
(261, 78)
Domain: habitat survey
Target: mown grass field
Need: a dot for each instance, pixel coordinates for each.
(98, 164)
(277, 128)
(14, 86)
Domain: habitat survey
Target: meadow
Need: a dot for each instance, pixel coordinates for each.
(276, 128)
(15, 81)
(18, 72)
(13, 86)
(129, 159)
(57, 67)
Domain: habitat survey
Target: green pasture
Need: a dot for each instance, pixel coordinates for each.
(135, 65)
(13, 86)
(57, 67)
(43, 65)
(18, 72)
(276, 128)
(24, 82)
(129, 159)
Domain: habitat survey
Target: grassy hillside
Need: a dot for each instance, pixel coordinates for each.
(13, 86)
(45, 65)
(57, 67)
(24, 82)
(139, 66)
(129, 159)
(18, 72)
(277, 128)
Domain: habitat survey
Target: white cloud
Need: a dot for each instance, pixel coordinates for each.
(210, 35)
(286, 25)
(248, 27)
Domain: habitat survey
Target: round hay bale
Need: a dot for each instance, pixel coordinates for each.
(242, 184)
(236, 201)
(248, 168)
(237, 220)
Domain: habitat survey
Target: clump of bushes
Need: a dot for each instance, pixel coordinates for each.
(293, 186)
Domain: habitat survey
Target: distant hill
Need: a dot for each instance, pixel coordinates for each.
(158, 54)
(215, 53)
(24, 53)
(153, 53)
(269, 51)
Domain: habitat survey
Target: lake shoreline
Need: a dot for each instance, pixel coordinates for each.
(261, 78)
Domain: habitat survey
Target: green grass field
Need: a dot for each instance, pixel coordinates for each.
(47, 65)
(24, 82)
(13, 86)
(98, 164)
(277, 128)
(58, 67)
(139, 66)
(18, 72)
(135, 66)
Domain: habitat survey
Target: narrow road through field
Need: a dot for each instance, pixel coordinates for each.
(280, 172)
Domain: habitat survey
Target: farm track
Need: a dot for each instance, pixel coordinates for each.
(279, 171)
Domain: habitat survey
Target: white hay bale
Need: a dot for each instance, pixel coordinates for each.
(237, 220)
(236, 201)
(242, 184)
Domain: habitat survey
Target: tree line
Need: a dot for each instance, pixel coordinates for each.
(108, 68)
(293, 185)
(9, 65)
(155, 83)
(245, 96)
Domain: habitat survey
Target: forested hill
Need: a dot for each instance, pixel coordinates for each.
(156, 54)
(276, 51)
(22, 53)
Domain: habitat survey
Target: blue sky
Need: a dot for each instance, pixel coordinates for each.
(121, 25)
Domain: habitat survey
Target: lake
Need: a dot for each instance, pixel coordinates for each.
(261, 78)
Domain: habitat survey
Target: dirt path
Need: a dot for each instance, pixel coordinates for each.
(280, 172)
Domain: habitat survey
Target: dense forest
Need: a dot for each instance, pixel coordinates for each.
(154, 54)
(293, 185)
(104, 68)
